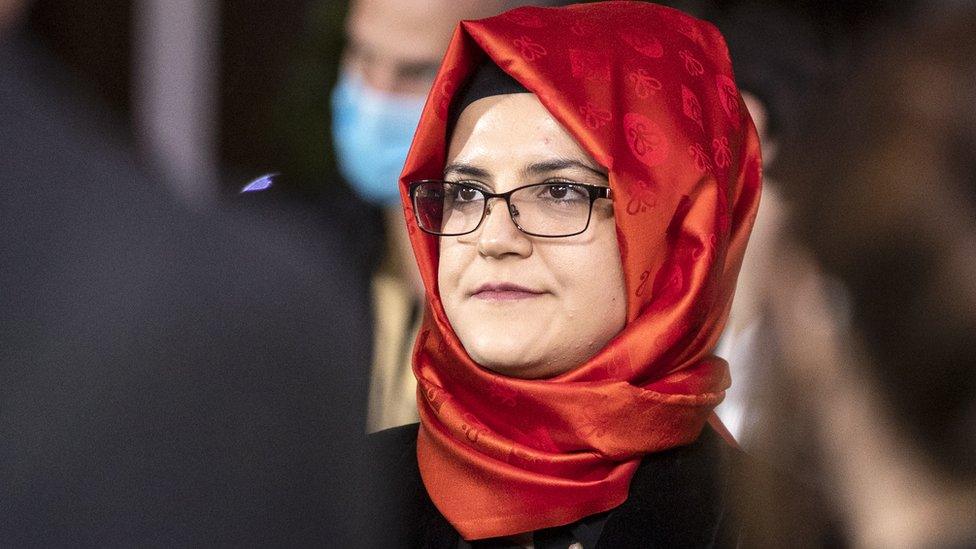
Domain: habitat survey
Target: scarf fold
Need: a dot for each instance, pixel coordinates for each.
(649, 93)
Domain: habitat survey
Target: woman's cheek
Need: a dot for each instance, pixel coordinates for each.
(449, 270)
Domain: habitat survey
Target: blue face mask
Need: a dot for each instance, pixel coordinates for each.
(371, 132)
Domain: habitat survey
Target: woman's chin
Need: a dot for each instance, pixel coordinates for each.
(518, 364)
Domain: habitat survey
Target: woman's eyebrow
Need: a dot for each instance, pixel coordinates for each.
(538, 168)
(466, 170)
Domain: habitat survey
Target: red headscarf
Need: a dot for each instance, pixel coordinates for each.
(649, 93)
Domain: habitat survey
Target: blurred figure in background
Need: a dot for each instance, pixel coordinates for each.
(394, 49)
(167, 377)
(777, 84)
(11, 11)
(879, 338)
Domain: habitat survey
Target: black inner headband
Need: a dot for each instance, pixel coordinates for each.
(487, 80)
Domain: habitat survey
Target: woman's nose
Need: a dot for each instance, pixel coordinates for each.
(498, 236)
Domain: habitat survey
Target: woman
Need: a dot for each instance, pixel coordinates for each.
(579, 246)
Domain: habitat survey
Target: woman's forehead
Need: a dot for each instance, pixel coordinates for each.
(507, 110)
(516, 130)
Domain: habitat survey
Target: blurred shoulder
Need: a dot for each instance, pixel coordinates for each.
(773, 507)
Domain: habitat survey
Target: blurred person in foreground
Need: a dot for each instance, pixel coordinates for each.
(393, 51)
(882, 338)
(167, 377)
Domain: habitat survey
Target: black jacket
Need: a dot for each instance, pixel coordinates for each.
(682, 497)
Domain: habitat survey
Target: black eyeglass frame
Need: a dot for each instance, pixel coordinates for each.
(595, 192)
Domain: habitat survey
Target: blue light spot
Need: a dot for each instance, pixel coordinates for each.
(260, 184)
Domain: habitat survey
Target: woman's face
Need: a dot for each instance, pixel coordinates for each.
(526, 306)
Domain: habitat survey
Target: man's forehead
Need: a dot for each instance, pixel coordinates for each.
(416, 30)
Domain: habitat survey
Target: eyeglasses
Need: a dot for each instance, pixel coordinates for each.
(551, 210)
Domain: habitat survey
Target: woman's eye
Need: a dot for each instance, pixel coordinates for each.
(467, 194)
(564, 191)
(558, 191)
(464, 194)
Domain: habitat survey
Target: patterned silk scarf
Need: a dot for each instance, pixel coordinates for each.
(649, 93)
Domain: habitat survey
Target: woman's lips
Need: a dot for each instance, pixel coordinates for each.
(504, 292)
